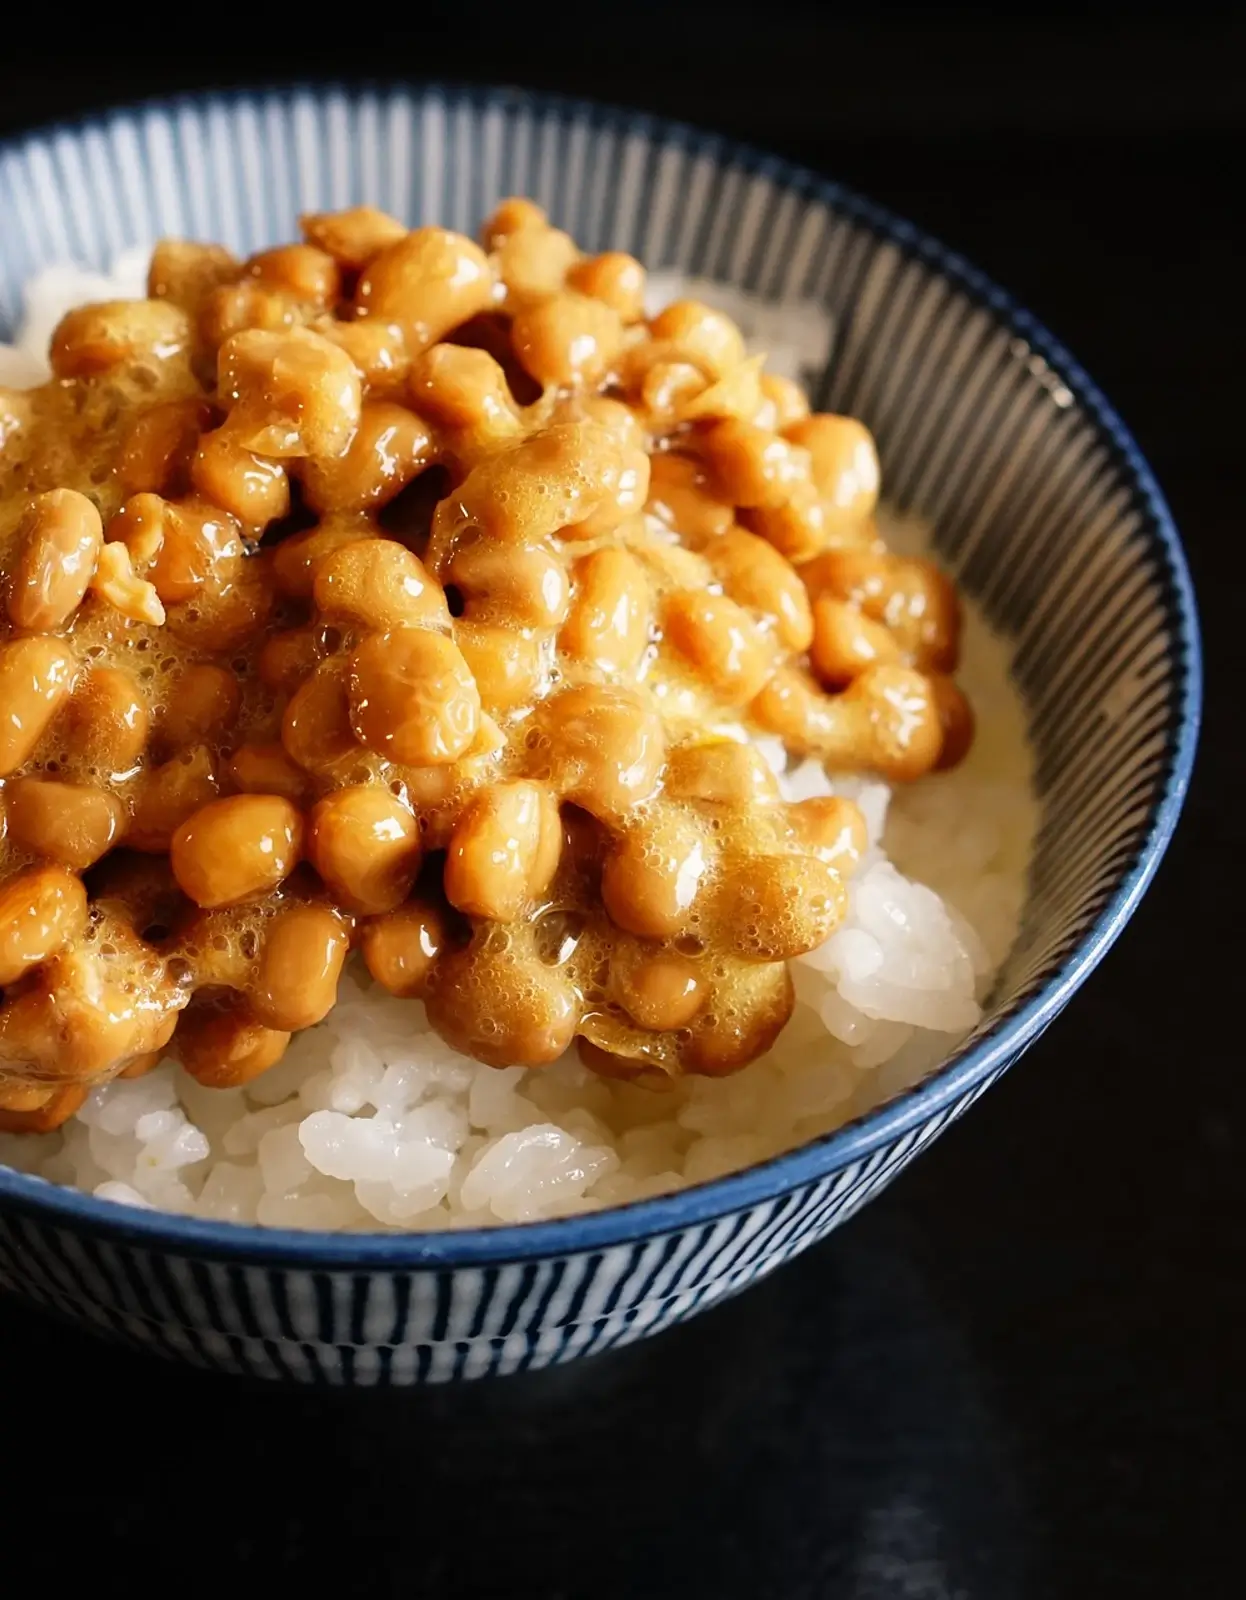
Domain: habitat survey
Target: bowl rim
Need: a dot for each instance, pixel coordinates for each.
(971, 1066)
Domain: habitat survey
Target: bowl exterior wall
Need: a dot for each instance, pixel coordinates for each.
(1042, 508)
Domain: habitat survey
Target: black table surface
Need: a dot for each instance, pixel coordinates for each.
(1019, 1373)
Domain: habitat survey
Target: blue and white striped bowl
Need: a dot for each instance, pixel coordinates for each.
(1045, 510)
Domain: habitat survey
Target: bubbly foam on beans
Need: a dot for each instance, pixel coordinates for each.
(616, 769)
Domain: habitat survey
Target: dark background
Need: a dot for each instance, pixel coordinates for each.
(1020, 1372)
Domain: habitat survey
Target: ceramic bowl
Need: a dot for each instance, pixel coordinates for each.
(1044, 511)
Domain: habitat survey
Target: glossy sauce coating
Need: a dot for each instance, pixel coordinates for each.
(399, 591)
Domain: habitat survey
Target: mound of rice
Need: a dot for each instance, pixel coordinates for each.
(371, 1122)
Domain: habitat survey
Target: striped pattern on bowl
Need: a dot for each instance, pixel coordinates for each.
(1044, 510)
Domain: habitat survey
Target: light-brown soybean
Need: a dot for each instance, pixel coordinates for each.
(296, 559)
(390, 446)
(616, 278)
(830, 828)
(293, 393)
(300, 963)
(896, 722)
(49, 1109)
(673, 564)
(799, 528)
(549, 481)
(18, 1101)
(507, 663)
(378, 584)
(532, 262)
(429, 281)
(845, 642)
(98, 338)
(616, 417)
(755, 1007)
(808, 721)
(720, 772)
(254, 490)
(463, 388)
(887, 720)
(156, 452)
(365, 844)
(72, 824)
(788, 399)
(651, 879)
(711, 338)
(755, 575)
(610, 619)
(514, 213)
(681, 494)
(83, 1022)
(36, 678)
(139, 525)
(107, 721)
(665, 388)
(228, 612)
(266, 769)
(524, 584)
(41, 911)
(60, 543)
(844, 460)
(316, 726)
(299, 270)
(738, 395)
(235, 848)
(924, 613)
(413, 697)
(567, 341)
(498, 1002)
(203, 702)
(504, 851)
(625, 499)
(225, 1049)
(288, 657)
(139, 1066)
(195, 543)
(860, 574)
(28, 1029)
(352, 237)
(379, 351)
(912, 598)
(602, 746)
(752, 466)
(777, 907)
(721, 642)
(401, 948)
(186, 272)
(662, 991)
(956, 721)
(240, 307)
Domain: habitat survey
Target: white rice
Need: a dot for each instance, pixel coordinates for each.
(372, 1122)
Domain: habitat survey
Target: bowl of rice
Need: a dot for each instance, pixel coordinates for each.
(403, 1194)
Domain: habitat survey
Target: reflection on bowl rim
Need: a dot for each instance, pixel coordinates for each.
(969, 1067)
